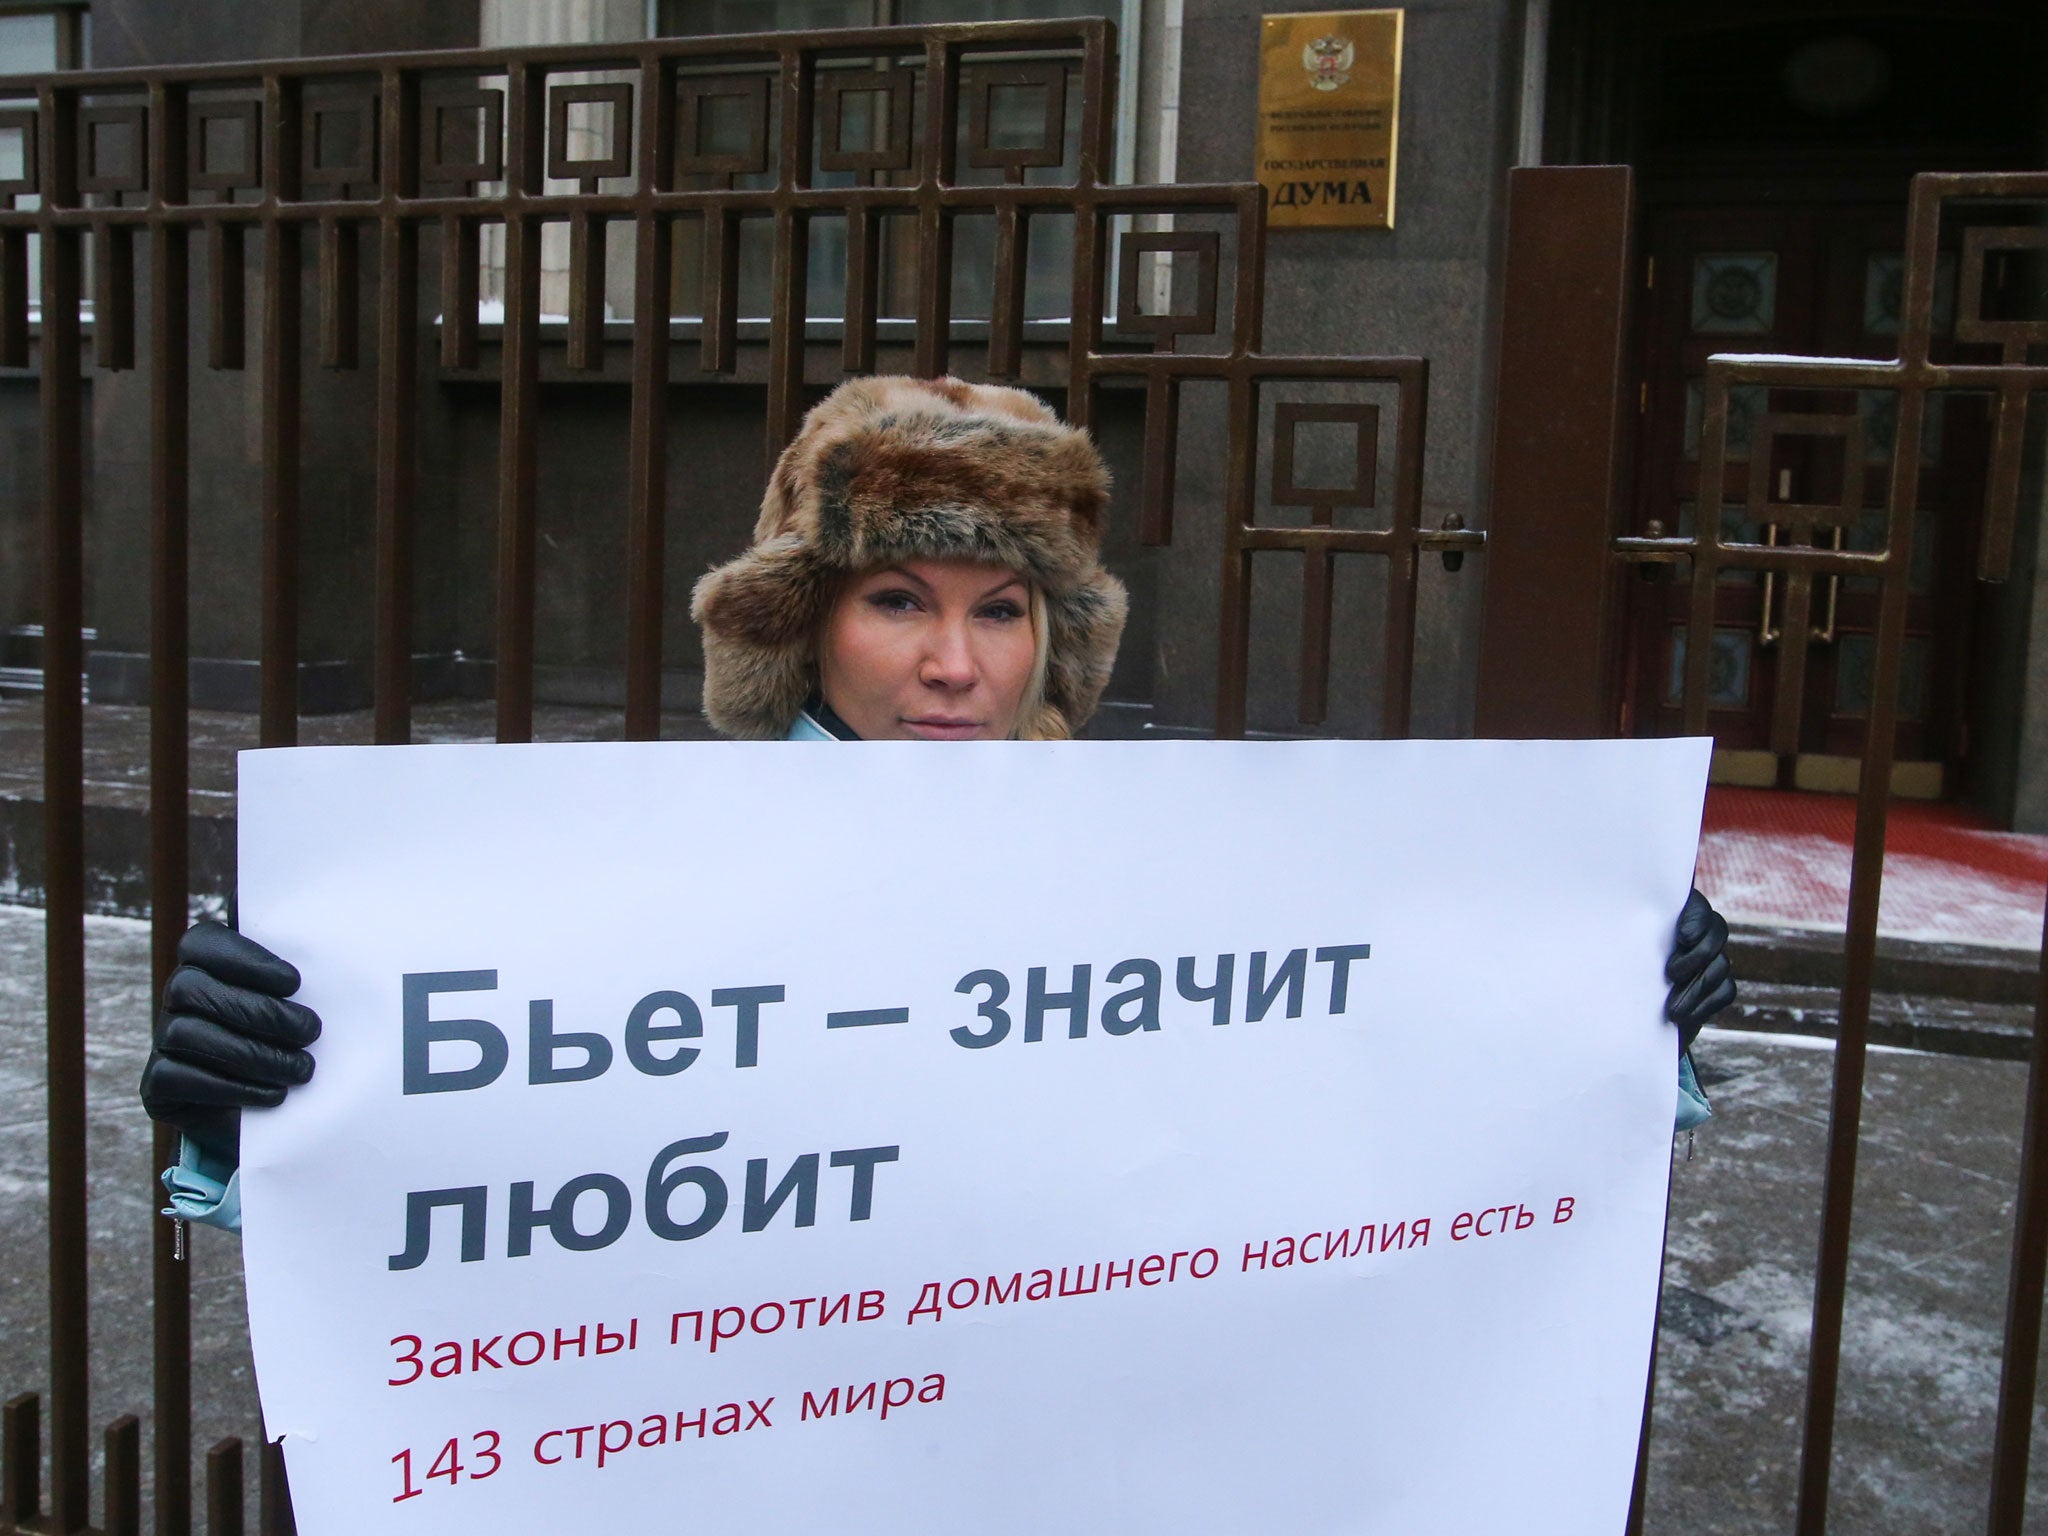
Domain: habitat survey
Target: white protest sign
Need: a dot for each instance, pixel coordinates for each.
(1007, 1138)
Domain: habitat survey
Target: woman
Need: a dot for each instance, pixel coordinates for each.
(925, 567)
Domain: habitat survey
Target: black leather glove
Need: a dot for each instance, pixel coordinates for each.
(1702, 982)
(227, 1037)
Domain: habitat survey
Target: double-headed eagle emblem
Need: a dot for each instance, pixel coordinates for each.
(1328, 61)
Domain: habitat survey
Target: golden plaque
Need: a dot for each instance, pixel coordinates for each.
(1329, 117)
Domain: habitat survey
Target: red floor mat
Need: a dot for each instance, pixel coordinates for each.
(1782, 859)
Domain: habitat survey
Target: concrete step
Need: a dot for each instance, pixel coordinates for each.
(1801, 957)
(116, 858)
(1954, 999)
(1945, 1025)
(21, 657)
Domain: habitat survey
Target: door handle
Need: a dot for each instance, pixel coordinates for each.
(1767, 633)
(1825, 635)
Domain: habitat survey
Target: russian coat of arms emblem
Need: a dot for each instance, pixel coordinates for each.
(1328, 61)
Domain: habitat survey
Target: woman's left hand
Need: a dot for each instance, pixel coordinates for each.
(1702, 982)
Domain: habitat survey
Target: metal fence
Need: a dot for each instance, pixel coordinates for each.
(430, 159)
(2001, 212)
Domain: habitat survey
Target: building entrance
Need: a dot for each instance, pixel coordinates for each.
(1821, 281)
(1773, 146)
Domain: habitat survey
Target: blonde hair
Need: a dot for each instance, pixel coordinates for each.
(1030, 725)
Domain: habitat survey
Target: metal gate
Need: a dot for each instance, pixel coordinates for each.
(430, 159)
(1812, 556)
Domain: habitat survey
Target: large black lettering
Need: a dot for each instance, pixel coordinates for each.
(422, 1033)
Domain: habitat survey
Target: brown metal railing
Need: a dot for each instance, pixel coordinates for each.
(1811, 550)
(113, 158)
(406, 202)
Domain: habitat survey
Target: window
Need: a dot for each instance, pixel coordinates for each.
(35, 39)
(1015, 116)
(28, 42)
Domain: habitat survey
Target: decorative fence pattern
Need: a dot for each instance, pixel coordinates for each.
(390, 168)
(1811, 552)
(404, 169)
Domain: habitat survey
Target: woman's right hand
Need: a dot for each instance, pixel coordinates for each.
(228, 1037)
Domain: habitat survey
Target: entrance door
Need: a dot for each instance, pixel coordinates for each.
(1814, 281)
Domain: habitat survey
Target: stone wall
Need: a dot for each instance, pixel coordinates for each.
(2009, 723)
(1427, 287)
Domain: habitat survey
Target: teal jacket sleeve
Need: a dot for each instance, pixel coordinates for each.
(1693, 1108)
(205, 1187)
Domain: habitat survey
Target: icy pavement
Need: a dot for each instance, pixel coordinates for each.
(122, 1193)
(1780, 859)
(1926, 1286)
(1931, 1238)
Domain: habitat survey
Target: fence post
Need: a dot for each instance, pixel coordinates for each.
(63, 523)
(2019, 1370)
(224, 1489)
(1547, 628)
(170, 775)
(21, 1460)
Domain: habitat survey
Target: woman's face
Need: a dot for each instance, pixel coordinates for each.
(929, 650)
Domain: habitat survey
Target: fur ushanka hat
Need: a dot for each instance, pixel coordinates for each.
(891, 469)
